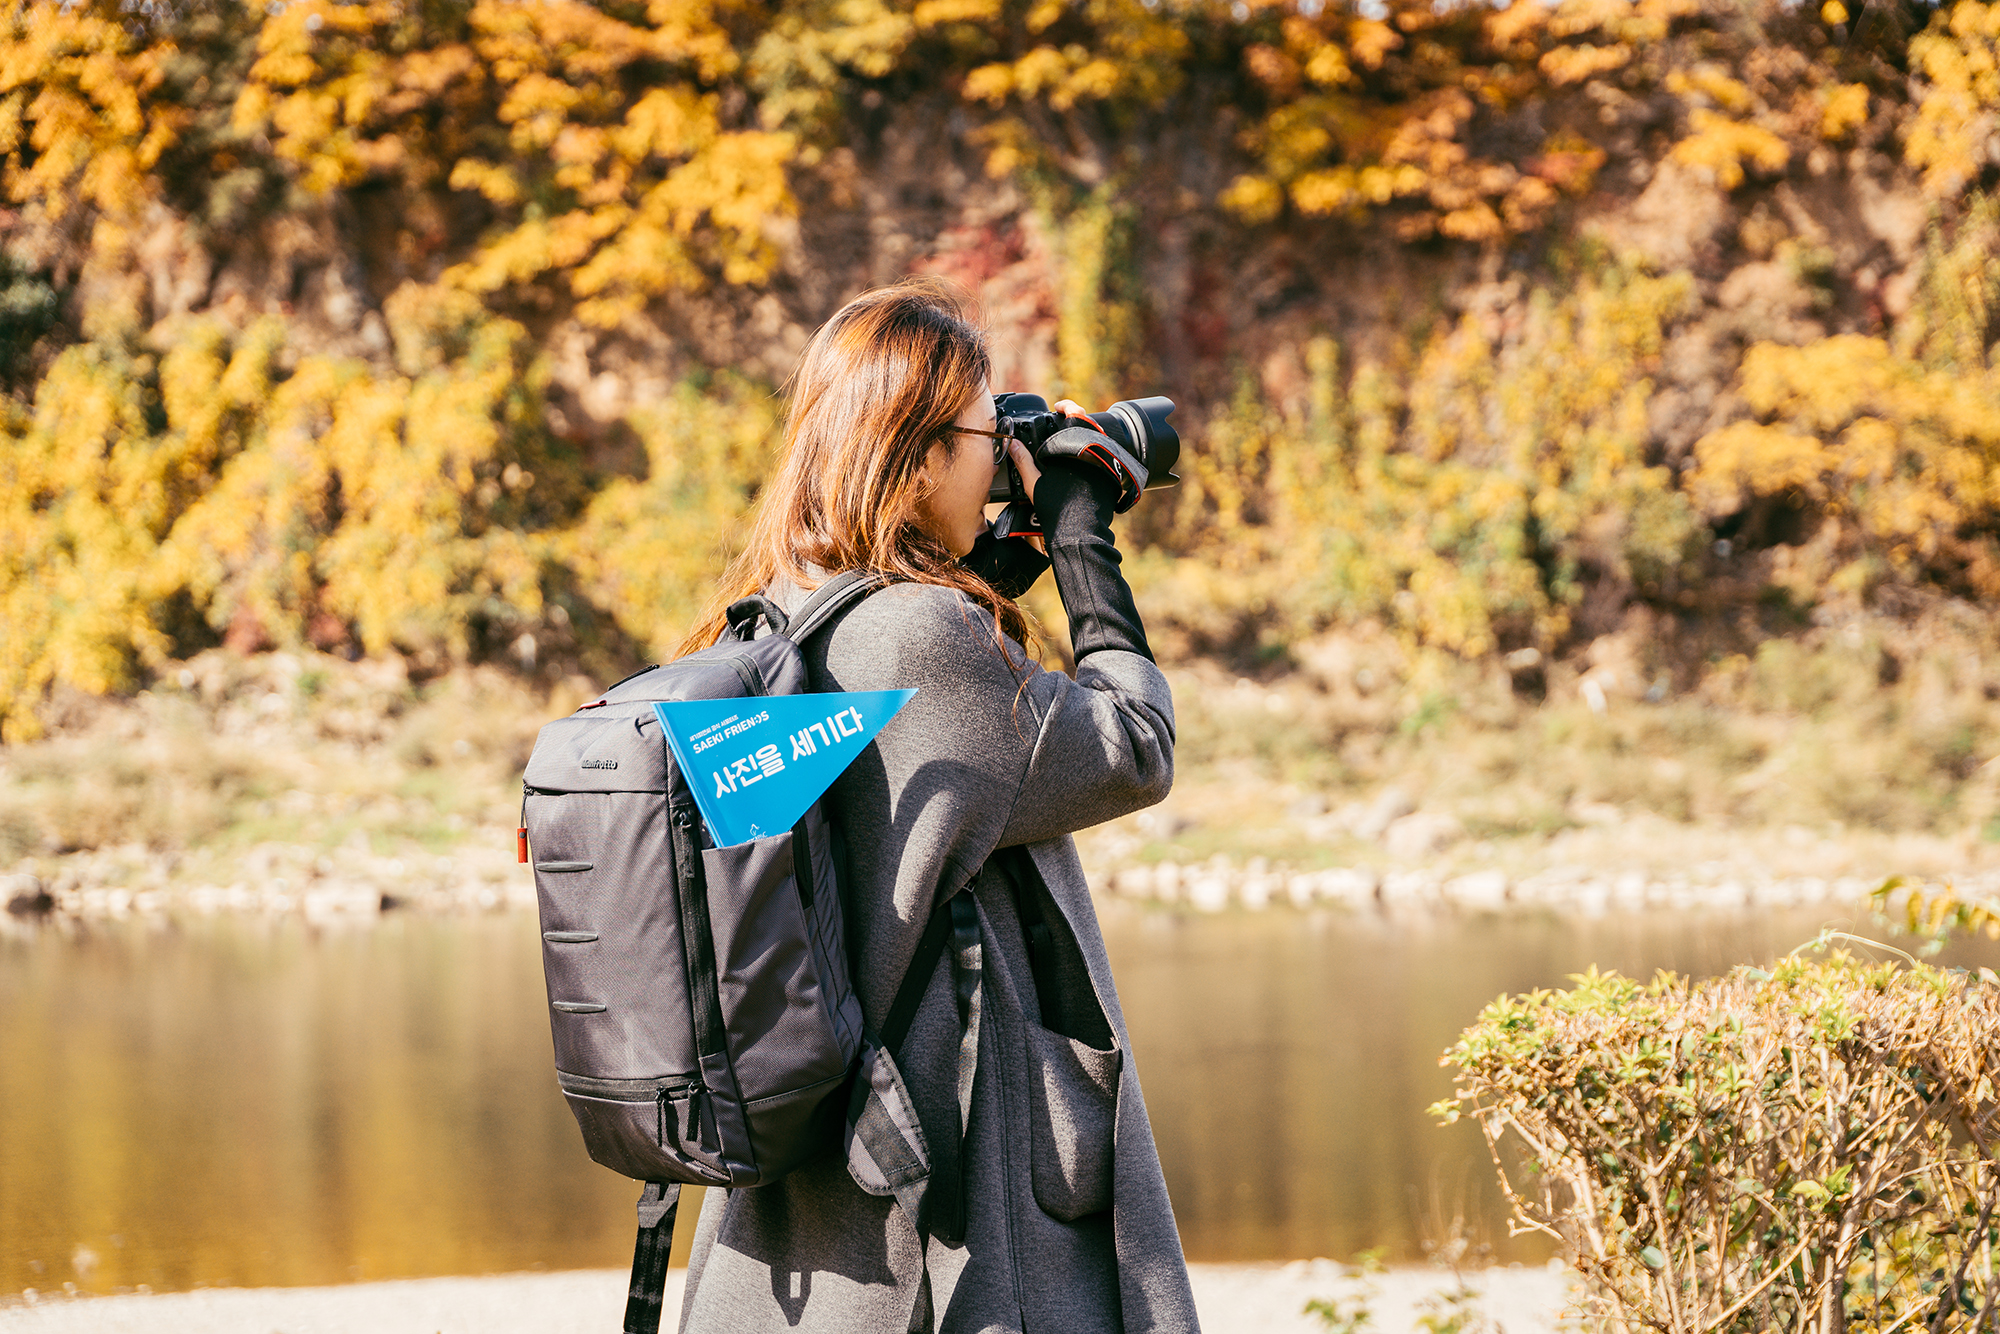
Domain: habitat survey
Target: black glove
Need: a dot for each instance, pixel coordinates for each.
(1075, 502)
(1010, 564)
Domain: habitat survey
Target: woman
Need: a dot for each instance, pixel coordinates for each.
(1051, 1212)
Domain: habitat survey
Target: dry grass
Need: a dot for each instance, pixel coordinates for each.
(229, 752)
(1874, 732)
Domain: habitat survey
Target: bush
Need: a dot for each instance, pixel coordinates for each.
(326, 502)
(1465, 497)
(1816, 1148)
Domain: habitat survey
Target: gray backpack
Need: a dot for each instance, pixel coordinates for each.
(705, 1028)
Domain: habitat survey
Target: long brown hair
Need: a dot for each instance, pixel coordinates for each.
(877, 386)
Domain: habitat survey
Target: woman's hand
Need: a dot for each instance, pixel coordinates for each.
(1024, 463)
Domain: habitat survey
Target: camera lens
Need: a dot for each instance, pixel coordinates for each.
(1149, 437)
(1138, 425)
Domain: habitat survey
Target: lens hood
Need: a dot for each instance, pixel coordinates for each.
(1158, 444)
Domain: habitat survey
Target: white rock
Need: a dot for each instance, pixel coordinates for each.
(1355, 887)
(1209, 892)
(1408, 889)
(1482, 891)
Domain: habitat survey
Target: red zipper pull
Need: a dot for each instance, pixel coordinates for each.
(521, 843)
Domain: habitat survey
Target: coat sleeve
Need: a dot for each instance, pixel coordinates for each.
(996, 748)
(1103, 746)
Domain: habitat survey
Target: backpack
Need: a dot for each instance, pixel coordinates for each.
(706, 1030)
(704, 1024)
(703, 1019)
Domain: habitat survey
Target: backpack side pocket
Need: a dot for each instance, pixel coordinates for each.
(649, 1129)
(1073, 1097)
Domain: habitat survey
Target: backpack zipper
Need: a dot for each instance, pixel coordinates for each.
(704, 997)
(626, 1090)
(658, 1092)
(753, 680)
(695, 1091)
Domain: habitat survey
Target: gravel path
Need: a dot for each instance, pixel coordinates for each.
(1234, 1299)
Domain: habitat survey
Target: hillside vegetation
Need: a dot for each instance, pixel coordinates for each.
(1588, 337)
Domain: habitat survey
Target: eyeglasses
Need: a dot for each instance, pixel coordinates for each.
(1000, 440)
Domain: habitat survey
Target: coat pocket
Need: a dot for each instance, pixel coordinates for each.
(1073, 1089)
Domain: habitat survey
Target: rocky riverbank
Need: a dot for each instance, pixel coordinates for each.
(352, 883)
(348, 882)
(302, 783)
(1216, 887)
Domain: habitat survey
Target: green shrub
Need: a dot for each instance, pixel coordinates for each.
(1812, 1149)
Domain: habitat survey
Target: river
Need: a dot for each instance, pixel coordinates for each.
(241, 1100)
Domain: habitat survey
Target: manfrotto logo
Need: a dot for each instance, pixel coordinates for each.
(600, 764)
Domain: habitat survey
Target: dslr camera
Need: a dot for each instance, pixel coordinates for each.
(1130, 439)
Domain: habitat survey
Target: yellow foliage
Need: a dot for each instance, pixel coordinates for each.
(653, 547)
(79, 524)
(931, 13)
(1713, 86)
(1134, 55)
(1721, 146)
(1464, 486)
(1455, 496)
(799, 61)
(406, 507)
(1958, 59)
(1910, 456)
(79, 129)
(1574, 64)
(1253, 198)
(623, 177)
(1896, 446)
(1394, 107)
(1846, 109)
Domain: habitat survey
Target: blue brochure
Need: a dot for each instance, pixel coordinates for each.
(756, 763)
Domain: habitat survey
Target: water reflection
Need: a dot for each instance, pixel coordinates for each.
(244, 1101)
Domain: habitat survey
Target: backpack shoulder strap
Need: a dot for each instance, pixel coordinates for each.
(829, 600)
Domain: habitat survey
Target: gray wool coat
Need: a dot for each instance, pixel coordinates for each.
(1068, 1227)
